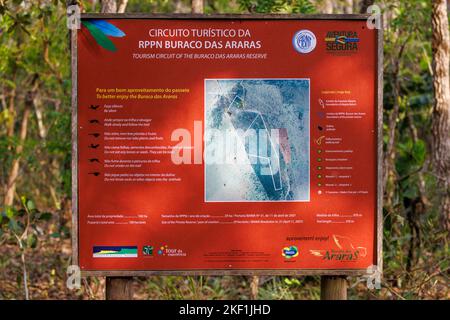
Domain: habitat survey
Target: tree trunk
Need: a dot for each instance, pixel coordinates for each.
(109, 6)
(415, 138)
(441, 110)
(197, 6)
(328, 7)
(348, 6)
(390, 154)
(254, 287)
(178, 6)
(39, 117)
(14, 172)
(122, 6)
(398, 42)
(11, 110)
(364, 5)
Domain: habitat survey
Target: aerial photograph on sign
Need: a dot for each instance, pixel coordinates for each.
(224, 155)
(264, 125)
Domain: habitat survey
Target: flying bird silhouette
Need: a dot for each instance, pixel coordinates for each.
(94, 107)
(95, 173)
(94, 146)
(94, 121)
(94, 160)
(96, 135)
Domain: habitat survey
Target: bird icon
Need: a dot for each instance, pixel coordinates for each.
(94, 121)
(94, 107)
(94, 160)
(94, 146)
(96, 135)
(95, 173)
(319, 140)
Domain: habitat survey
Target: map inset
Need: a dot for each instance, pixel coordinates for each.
(257, 140)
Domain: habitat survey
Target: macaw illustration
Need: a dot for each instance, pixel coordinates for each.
(341, 243)
(100, 31)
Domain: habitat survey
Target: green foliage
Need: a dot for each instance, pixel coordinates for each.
(277, 6)
(35, 59)
(34, 53)
(23, 224)
(156, 6)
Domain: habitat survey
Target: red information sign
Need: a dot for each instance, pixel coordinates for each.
(239, 144)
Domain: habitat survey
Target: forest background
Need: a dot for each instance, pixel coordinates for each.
(35, 153)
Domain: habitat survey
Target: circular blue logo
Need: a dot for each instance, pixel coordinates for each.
(304, 41)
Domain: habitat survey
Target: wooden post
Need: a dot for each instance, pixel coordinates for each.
(333, 288)
(119, 288)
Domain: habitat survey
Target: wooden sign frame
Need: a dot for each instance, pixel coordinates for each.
(291, 272)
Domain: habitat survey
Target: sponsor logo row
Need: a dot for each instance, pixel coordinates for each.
(339, 41)
(132, 251)
(342, 249)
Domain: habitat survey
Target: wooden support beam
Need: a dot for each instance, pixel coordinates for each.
(333, 288)
(119, 288)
